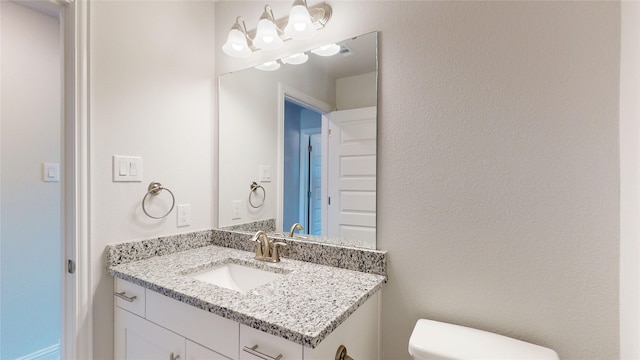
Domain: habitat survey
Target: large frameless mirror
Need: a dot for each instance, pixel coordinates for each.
(297, 145)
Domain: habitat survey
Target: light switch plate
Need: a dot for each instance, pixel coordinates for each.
(50, 172)
(265, 173)
(127, 168)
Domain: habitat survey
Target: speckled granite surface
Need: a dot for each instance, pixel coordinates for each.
(364, 260)
(329, 240)
(266, 225)
(303, 306)
(148, 248)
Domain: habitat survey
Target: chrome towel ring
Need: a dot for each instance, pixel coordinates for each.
(254, 187)
(154, 189)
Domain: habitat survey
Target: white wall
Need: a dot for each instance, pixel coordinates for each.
(498, 164)
(630, 181)
(151, 95)
(358, 91)
(30, 237)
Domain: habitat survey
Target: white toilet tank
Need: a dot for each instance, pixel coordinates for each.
(434, 340)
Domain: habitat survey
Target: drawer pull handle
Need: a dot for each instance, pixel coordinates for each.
(254, 351)
(174, 357)
(122, 296)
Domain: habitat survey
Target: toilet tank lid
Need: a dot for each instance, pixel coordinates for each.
(437, 340)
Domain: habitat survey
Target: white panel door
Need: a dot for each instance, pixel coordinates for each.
(352, 174)
(140, 339)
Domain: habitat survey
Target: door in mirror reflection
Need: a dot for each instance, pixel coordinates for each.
(338, 150)
(302, 168)
(352, 174)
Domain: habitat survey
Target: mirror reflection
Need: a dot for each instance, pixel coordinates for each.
(306, 135)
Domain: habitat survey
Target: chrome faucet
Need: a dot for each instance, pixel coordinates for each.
(294, 227)
(264, 247)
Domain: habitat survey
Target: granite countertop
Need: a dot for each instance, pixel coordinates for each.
(304, 306)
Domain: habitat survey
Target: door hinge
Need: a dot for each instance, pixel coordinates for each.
(329, 132)
(310, 148)
(71, 266)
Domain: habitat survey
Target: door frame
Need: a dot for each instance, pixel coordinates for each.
(77, 318)
(303, 197)
(285, 92)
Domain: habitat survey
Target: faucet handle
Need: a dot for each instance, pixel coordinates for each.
(275, 256)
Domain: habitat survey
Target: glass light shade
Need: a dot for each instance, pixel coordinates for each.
(295, 59)
(327, 50)
(299, 26)
(236, 44)
(269, 66)
(267, 36)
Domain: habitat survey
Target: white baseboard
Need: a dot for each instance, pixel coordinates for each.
(49, 353)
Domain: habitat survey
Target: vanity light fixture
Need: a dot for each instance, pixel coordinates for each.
(295, 59)
(237, 44)
(300, 26)
(302, 23)
(268, 33)
(269, 66)
(327, 50)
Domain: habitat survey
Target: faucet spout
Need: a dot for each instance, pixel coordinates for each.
(294, 227)
(263, 247)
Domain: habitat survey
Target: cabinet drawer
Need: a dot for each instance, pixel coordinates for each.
(130, 297)
(267, 344)
(210, 330)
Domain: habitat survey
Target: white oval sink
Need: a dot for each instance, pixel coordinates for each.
(235, 277)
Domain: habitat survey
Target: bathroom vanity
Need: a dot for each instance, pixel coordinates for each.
(165, 309)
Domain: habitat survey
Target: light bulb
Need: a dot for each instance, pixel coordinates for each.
(299, 26)
(295, 59)
(327, 50)
(267, 36)
(269, 66)
(236, 44)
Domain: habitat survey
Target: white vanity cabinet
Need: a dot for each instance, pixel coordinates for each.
(154, 326)
(359, 334)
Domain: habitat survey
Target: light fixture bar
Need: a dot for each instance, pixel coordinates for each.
(320, 16)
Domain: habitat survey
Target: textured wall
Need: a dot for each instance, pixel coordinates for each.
(498, 164)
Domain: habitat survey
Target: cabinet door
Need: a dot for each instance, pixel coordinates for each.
(199, 352)
(138, 339)
(359, 334)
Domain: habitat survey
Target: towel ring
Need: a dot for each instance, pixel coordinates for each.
(154, 189)
(254, 186)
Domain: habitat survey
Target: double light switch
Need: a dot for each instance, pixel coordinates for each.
(127, 168)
